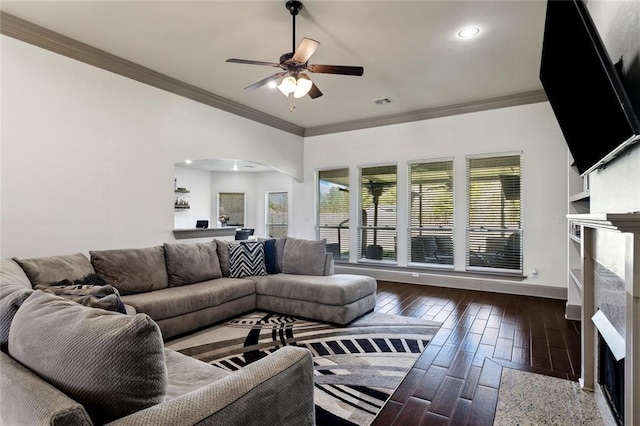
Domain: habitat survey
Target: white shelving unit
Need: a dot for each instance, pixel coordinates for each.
(578, 203)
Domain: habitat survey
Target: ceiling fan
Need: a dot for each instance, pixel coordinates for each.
(295, 83)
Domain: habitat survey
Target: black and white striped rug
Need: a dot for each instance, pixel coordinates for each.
(357, 367)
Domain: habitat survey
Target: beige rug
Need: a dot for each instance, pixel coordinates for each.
(533, 399)
(356, 367)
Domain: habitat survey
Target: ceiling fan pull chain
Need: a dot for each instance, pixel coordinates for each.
(292, 105)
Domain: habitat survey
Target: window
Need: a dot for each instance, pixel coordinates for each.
(377, 219)
(231, 208)
(431, 212)
(333, 211)
(277, 214)
(494, 233)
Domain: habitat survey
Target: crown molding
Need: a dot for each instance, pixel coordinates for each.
(25, 31)
(426, 114)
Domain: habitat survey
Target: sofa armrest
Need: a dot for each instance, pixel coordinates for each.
(26, 399)
(329, 268)
(276, 390)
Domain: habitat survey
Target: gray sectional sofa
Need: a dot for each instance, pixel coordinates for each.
(65, 362)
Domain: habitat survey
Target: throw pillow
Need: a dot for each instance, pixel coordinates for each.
(304, 257)
(13, 297)
(191, 263)
(51, 269)
(112, 364)
(270, 261)
(12, 273)
(246, 259)
(280, 243)
(222, 248)
(132, 270)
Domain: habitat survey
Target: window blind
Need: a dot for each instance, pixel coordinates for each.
(431, 212)
(277, 214)
(494, 233)
(378, 213)
(333, 211)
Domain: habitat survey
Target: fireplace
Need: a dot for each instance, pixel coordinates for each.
(611, 378)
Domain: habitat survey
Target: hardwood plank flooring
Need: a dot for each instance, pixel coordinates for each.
(456, 380)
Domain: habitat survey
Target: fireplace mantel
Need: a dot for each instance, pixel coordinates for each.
(627, 223)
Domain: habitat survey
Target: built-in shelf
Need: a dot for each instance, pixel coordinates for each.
(581, 196)
(182, 207)
(182, 191)
(576, 276)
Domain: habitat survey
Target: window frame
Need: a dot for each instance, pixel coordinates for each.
(427, 248)
(267, 214)
(499, 249)
(325, 231)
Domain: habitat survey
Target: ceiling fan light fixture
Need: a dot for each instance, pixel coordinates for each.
(303, 85)
(468, 32)
(287, 85)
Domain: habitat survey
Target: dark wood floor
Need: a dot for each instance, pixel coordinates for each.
(456, 379)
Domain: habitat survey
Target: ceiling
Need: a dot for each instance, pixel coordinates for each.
(224, 165)
(409, 49)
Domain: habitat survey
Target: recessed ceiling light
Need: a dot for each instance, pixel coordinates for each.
(187, 161)
(468, 32)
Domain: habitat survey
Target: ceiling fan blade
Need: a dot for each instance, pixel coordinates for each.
(336, 69)
(304, 51)
(265, 81)
(314, 92)
(247, 61)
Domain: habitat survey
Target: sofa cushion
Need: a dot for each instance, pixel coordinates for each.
(187, 374)
(51, 269)
(280, 243)
(191, 263)
(113, 364)
(132, 270)
(222, 248)
(304, 257)
(12, 273)
(246, 259)
(174, 301)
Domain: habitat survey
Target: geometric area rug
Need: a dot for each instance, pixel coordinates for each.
(356, 367)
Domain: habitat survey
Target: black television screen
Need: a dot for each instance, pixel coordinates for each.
(585, 91)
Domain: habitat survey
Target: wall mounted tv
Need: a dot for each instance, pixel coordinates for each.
(586, 93)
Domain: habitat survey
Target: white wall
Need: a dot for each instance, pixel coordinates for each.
(88, 156)
(531, 129)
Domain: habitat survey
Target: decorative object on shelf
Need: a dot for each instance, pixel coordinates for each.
(181, 203)
(175, 184)
(223, 219)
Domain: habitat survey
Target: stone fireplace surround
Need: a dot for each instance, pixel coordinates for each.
(618, 301)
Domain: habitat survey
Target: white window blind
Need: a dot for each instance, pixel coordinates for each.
(431, 212)
(277, 214)
(378, 214)
(333, 211)
(494, 233)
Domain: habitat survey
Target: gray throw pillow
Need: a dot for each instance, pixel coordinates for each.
(304, 257)
(222, 248)
(12, 298)
(191, 263)
(112, 364)
(52, 269)
(132, 270)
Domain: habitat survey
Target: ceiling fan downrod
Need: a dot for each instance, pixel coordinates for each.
(294, 6)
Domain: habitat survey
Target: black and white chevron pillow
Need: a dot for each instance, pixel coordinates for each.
(246, 259)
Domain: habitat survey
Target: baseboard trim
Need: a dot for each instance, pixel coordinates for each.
(458, 280)
(573, 312)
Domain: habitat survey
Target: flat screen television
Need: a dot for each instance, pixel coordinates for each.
(584, 89)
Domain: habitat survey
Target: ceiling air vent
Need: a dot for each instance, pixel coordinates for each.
(382, 101)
